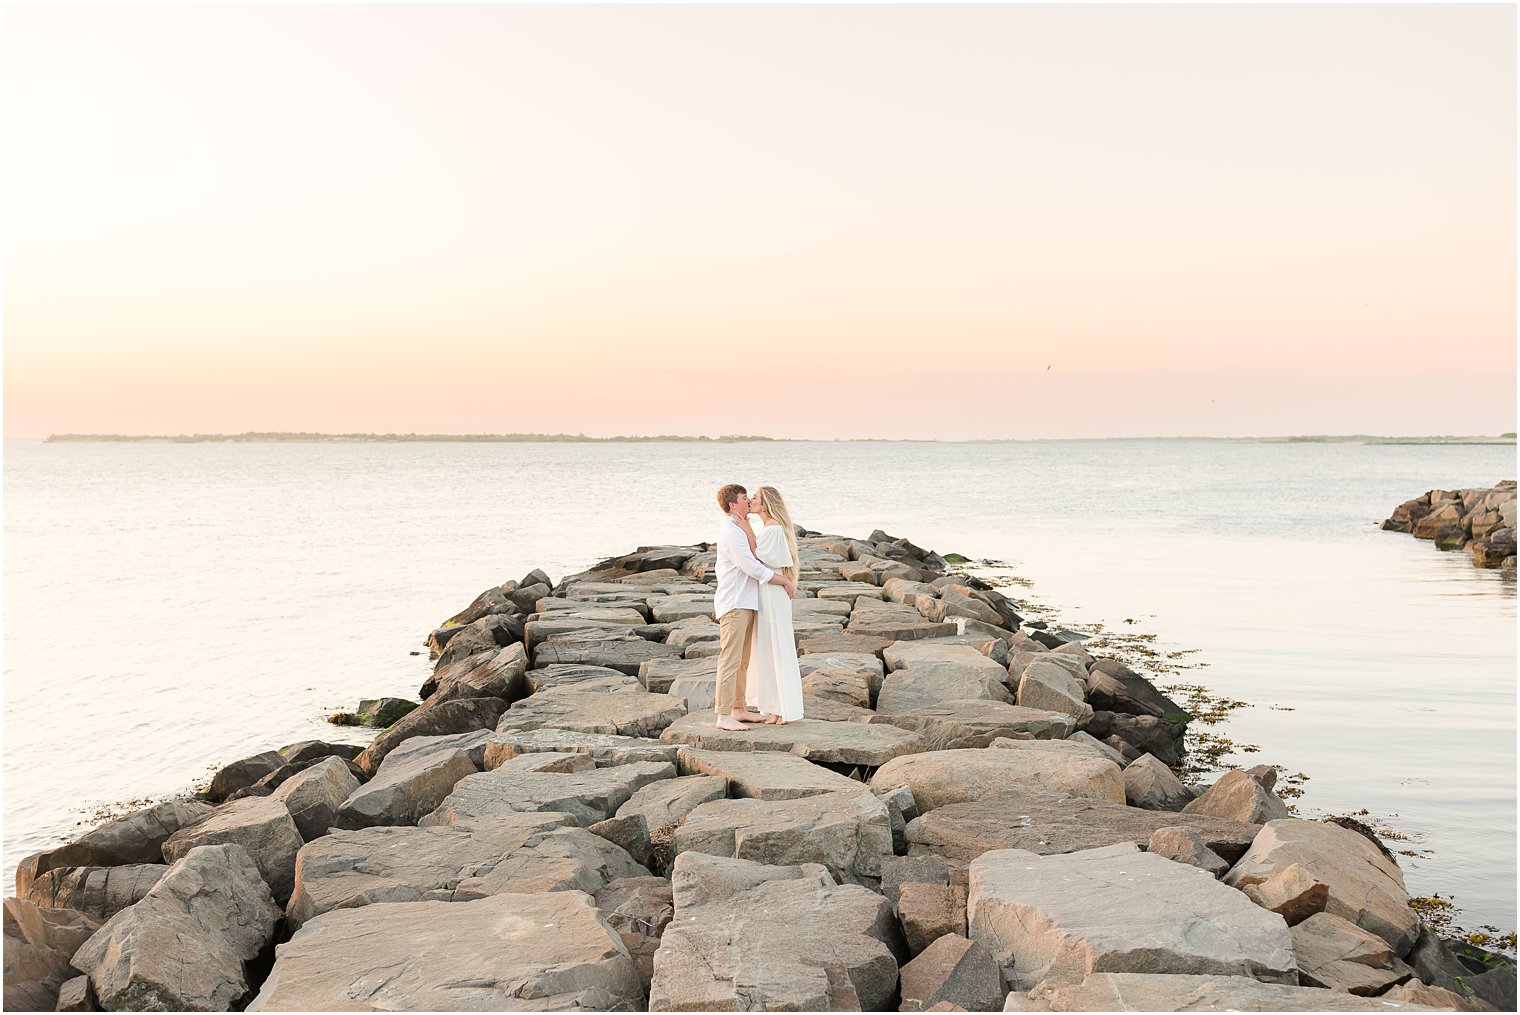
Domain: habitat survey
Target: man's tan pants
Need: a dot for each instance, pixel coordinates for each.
(736, 636)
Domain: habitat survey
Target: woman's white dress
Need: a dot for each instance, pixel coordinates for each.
(773, 680)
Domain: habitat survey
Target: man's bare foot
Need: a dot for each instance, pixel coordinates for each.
(727, 723)
(746, 715)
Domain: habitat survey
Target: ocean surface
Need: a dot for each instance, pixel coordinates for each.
(170, 608)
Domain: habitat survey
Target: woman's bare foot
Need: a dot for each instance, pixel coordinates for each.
(726, 722)
(775, 720)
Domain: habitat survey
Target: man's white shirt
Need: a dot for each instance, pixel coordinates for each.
(740, 574)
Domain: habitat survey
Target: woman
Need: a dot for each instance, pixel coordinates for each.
(774, 680)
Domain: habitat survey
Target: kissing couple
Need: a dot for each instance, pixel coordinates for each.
(758, 677)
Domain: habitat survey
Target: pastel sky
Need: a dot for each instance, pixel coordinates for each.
(888, 221)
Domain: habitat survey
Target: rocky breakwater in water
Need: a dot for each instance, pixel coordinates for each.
(976, 814)
(1480, 521)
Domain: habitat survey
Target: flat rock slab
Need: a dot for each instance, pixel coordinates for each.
(627, 714)
(1047, 823)
(926, 684)
(753, 937)
(849, 833)
(658, 675)
(1117, 909)
(1337, 954)
(845, 743)
(1177, 992)
(978, 722)
(589, 795)
(938, 778)
(602, 648)
(1365, 887)
(546, 952)
(405, 789)
(764, 775)
(601, 748)
(581, 677)
(515, 853)
(97, 892)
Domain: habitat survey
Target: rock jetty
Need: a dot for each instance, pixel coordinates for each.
(976, 814)
(1480, 521)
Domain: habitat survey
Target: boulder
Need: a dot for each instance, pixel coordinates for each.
(549, 952)
(764, 775)
(1238, 797)
(1114, 687)
(1146, 734)
(850, 687)
(131, 839)
(754, 937)
(1364, 886)
(261, 825)
(514, 853)
(473, 744)
(98, 892)
(844, 743)
(1071, 747)
(919, 687)
(484, 635)
(1117, 909)
(405, 789)
(601, 748)
(76, 994)
(626, 714)
(669, 609)
(848, 643)
(381, 712)
(1293, 892)
(303, 751)
(638, 910)
(588, 795)
(315, 795)
(645, 826)
(1175, 992)
(460, 715)
(953, 969)
(580, 677)
(1049, 686)
(660, 675)
(1439, 998)
(494, 673)
(897, 871)
(625, 652)
(1151, 785)
(978, 722)
(1049, 823)
(947, 777)
(1338, 954)
(243, 773)
(185, 946)
(1185, 845)
(894, 626)
(39, 944)
(848, 832)
(928, 912)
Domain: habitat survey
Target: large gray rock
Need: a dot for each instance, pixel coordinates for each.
(1365, 887)
(432, 719)
(405, 789)
(625, 652)
(1048, 685)
(185, 945)
(261, 825)
(1185, 845)
(133, 838)
(948, 777)
(978, 722)
(315, 796)
(1114, 687)
(1048, 823)
(516, 952)
(848, 832)
(764, 775)
(925, 674)
(1151, 785)
(1338, 954)
(844, 743)
(98, 892)
(453, 863)
(602, 748)
(754, 937)
(472, 743)
(39, 944)
(588, 795)
(1117, 909)
(580, 677)
(645, 826)
(498, 672)
(243, 773)
(661, 675)
(1178, 992)
(623, 713)
(953, 970)
(1239, 797)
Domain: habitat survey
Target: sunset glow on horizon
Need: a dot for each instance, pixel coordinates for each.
(848, 221)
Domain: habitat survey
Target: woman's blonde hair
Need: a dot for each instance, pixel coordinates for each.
(770, 499)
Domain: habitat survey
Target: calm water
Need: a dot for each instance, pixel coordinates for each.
(169, 608)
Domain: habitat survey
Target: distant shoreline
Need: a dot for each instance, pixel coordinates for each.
(523, 438)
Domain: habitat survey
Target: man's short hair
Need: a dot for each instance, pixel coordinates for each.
(727, 495)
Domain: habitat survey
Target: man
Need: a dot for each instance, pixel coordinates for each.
(739, 578)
